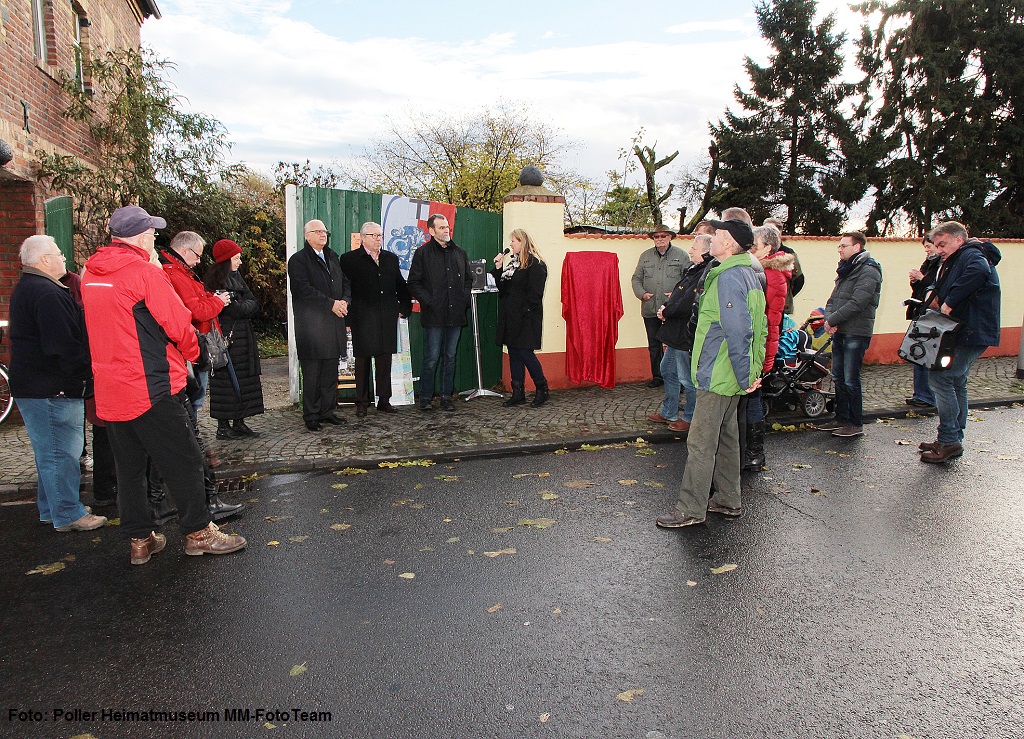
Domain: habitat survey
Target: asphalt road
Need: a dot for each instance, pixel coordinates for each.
(872, 596)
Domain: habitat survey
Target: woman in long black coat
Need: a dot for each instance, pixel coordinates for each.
(228, 404)
(520, 281)
(921, 281)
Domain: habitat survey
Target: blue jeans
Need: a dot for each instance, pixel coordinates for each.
(56, 428)
(950, 388)
(675, 368)
(203, 380)
(922, 390)
(436, 338)
(847, 357)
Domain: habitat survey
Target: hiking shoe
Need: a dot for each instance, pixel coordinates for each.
(928, 446)
(88, 522)
(143, 549)
(918, 403)
(714, 507)
(676, 520)
(849, 430)
(942, 453)
(658, 418)
(832, 425)
(680, 425)
(447, 404)
(211, 541)
(425, 404)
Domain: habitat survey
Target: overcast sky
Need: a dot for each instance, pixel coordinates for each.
(298, 79)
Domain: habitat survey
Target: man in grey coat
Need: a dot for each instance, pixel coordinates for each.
(850, 318)
(656, 275)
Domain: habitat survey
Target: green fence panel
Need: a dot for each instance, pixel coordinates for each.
(59, 218)
(478, 232)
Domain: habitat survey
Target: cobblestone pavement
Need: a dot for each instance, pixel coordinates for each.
(480, 427)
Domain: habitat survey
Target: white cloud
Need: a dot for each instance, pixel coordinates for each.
(731, 25)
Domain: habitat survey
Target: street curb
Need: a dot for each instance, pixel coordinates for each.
(26, 491)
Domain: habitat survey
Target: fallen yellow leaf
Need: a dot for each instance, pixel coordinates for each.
(273, 543)
(297, 670)
(297, 539)
(627, 482)
(544, 718)
(407, 575)
(341, 526)
(452, 540)
(495, 608)
(492, 555)
(537, 523)
(602, 539)
(723, 569)
(340, 485)
(548, 495)
(47, 569)
(579, 484)
(351, 471)
(629, 695)
(691, 583)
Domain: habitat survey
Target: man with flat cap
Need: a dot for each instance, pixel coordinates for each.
(141, 335)
(656, 274)
(728, 351)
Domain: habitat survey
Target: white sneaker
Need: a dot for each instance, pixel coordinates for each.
(88, 522)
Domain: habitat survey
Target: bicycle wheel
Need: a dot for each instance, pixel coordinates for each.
(6, 400)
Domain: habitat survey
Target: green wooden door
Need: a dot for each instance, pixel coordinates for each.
(60, 224)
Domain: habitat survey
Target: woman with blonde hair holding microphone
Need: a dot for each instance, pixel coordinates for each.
(520, 275)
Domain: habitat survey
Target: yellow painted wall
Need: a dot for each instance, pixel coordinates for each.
(818, 257)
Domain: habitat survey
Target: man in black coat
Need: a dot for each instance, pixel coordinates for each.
(442, 283)
(49, 377)
(379, 297)
(320, 298)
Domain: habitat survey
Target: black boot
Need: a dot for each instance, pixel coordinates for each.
(541, 396)
(159, 502)
(518, 395)
(753, 459)
(224, 430)
(217, 507)
(240, 427)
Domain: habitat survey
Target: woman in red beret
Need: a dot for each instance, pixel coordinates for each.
(236, 392)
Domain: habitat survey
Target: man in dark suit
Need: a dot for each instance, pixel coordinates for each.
(379, 297)
(320, 298)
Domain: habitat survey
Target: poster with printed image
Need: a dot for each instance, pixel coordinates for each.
(402, 391)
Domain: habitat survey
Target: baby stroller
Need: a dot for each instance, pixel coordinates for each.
(805, 383)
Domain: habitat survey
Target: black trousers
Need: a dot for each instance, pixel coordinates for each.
(164, 434)
(319, 388)
(654, 346)
(381, 377)
(104, 474)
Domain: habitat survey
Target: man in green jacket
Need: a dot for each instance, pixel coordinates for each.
(728, 352)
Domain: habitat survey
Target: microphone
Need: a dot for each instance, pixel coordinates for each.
(506, 251)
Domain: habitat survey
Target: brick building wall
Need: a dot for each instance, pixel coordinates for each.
(32, 102)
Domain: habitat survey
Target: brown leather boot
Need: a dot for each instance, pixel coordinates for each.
(143, 549)
(211, 541)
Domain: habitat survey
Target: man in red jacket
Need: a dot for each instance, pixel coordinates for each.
(140, 336)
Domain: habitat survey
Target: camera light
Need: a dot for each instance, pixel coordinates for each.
(945, 361)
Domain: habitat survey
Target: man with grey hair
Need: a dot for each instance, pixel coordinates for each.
(657, 272)
(141, 335)
(321, 294)
(49, 378)
(966, 289)
(379, 296)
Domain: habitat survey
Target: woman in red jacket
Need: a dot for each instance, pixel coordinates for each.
(778, 271)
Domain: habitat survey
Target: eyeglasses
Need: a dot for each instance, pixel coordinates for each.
(320, 231)
(199, 254)
(374, 236)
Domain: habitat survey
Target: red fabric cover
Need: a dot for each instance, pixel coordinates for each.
(204, 305)
(130, 310)
(591, 307)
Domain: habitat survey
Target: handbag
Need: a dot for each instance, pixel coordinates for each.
(216, 347)
(930, 340)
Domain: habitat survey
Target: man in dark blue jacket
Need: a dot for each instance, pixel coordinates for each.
(442, 283)
(49, 375)
(967, 289)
